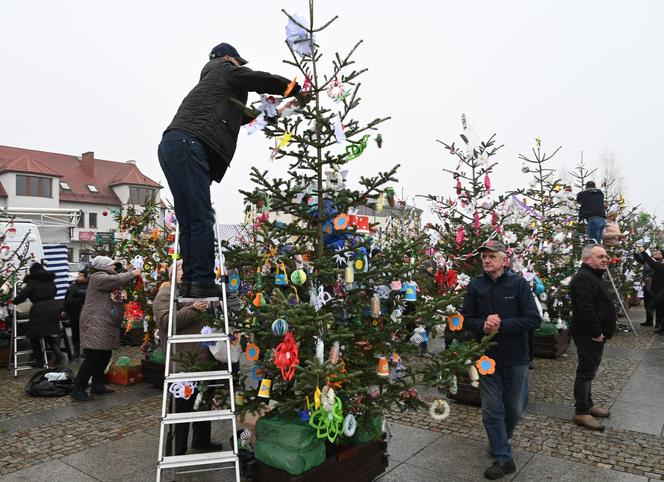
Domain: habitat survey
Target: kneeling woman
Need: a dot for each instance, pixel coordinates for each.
(100, 323)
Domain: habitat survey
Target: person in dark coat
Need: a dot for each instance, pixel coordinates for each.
(74, 300)
(501, 302)
(656, 293)
(197, 148)
(101, 318)
(593, 323)
(44, 319)
(591, 208)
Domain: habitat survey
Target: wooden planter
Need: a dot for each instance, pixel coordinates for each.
(153, 373)
(466, 393)
(361, 463)
(552, 346)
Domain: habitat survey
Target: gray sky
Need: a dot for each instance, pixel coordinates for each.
(587, 75)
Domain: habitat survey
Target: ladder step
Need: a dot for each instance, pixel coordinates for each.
(23, 367)
(203, 416)
(21, 321)
(175, 461)
(197, 338)
(20, 337)
(192, 300)
(24, 352)
(199, 376)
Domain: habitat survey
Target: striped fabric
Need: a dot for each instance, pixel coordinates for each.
(57, 262)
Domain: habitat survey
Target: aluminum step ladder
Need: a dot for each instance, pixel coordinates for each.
(16, 360)
(223, 458)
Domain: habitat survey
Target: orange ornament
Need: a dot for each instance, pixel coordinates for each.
(486, 365)
(455, 322)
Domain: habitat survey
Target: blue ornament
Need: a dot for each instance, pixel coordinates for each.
(279, 327)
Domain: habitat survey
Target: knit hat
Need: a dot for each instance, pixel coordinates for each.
(102, 262)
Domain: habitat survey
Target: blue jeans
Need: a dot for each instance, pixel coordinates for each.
(183, 159)
(504, 398)
(596, 228)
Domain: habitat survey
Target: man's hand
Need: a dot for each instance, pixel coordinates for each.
(137, 272)
(599, 339)
(200, 305)
(492, 324)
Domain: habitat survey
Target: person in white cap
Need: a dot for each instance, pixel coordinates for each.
(100, 322)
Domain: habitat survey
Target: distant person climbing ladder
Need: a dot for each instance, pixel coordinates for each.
(591, 208)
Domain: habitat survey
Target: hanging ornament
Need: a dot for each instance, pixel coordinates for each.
(476, 222)
(320, 350)
(474, 376)
(375, 305)
(281, 277)
(360, 263)
(328, 419)
(379, 141)
(286, 357)
(259, 300)
(317, 397)
(454, 388)
(380, 203)
(233, 282)
(410, 291)
(383, 369)
(279, 327)
(350, 425)
(252, 352)
(264, 389)
(439, 410)
(455, 322)
(494, 219)
(341, 222)
(460, 235)
(487, 182)
(486, 365)
(458, 187)
(183, 389)
(155, 233)
(334, 353)
(353, 151)
(389, 192)
(349, 275)
(337, 91)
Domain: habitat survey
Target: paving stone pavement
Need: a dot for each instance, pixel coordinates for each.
(115, 437)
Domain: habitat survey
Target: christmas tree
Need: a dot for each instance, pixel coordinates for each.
(14, 258)
(330, 316)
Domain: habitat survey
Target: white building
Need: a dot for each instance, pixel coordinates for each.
(56, 189)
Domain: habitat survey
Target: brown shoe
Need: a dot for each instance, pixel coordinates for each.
(588, 421)
(599, 412)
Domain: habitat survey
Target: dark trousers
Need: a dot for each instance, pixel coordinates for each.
(648, 305)
(590, 356)
(531, 344)
(184, 160)
(201, 430)
(75, 335)
(93, 365)
(52, 342)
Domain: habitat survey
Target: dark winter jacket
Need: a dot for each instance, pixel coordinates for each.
(209, 113)
(657, 272)
(74, 300)
(101, 317)
(45, 312)
(593, 313)
(591, 203)
(511, 298)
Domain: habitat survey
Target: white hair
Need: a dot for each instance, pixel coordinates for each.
(588, 250)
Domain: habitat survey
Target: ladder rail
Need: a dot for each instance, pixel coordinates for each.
(170, 462)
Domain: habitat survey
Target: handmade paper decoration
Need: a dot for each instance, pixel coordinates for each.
(486, 365)
(375, 305)
(410, 291)
(455, 322)
(298, 277)
(255, 125)
(284, 140)
(252, 352)
(286, 357)
(280, 277)
(183, 389)
(137, 262)
(350, 425)
(334, 353)
(264, 389)
(353, 151)
(360, 223)
(297, 37)
(341, 222)
(339, 133)
(349, 275)
(379, 141)
(234, 282)
(383, 369)
(320, 350)
(279, 327)
(474, 376)
(439, 409)
(328, 419)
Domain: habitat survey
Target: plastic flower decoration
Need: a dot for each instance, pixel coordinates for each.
(252, 352)
(298, 38)
(286, 357)
(455, 322)
(486, 365)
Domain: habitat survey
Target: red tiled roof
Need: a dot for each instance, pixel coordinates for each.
(70, 170)
(3, 193)
(25, 163)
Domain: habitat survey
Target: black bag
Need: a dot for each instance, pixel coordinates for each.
(39, 386)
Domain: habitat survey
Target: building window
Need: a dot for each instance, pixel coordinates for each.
(92, 188)
(92, 220)
(81, 220)
(70, 255)
(140, 195)
(33, 186)
(64, 186)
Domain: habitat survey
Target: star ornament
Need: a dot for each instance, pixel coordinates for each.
(486, 365)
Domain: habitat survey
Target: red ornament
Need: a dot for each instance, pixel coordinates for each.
(494, 218)
(104, 213)
(458, 187)
(487, 182)
(476, 222)
(286, 357)
(460, 236)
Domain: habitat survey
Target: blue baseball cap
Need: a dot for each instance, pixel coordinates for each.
(226, 49)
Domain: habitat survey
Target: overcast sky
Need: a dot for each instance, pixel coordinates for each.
(107, 77)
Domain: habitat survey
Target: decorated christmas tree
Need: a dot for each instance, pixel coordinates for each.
(14, 257)
(331, 316)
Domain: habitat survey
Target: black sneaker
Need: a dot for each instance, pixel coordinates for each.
(80, 396)
(101, 390)
(646, 323)
(184, 289)
(499, 470)
(205, 291)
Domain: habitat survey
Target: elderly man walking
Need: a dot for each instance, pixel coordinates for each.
(593, 322)
(500, 301)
